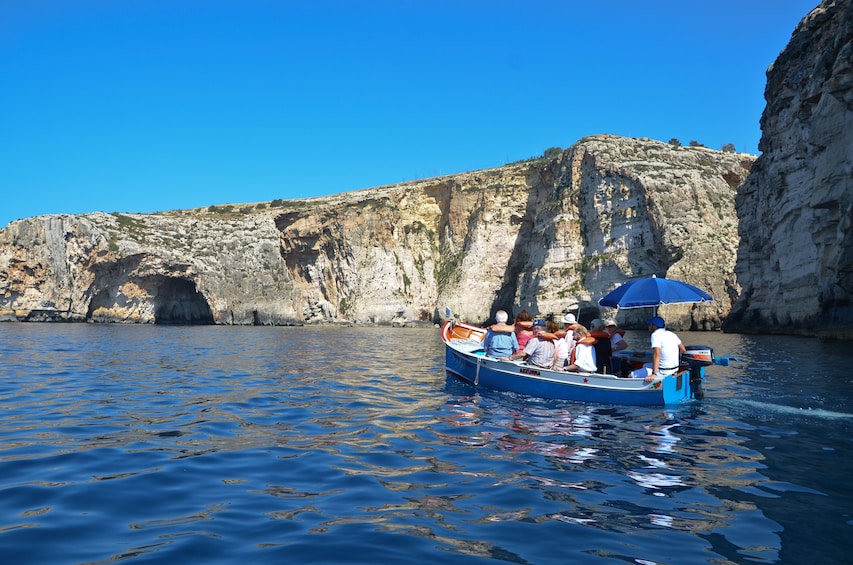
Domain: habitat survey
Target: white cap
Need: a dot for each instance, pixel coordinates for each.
(569, 319)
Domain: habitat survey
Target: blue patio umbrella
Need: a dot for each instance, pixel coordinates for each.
(652, 292)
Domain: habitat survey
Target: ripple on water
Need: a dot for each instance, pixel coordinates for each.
(271, 445)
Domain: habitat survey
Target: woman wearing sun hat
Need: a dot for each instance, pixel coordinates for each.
(621, 366)
(566, 341)
(617, 341)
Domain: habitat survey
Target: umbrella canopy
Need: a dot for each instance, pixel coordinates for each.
(653, 291)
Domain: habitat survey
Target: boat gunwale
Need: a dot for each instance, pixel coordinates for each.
(605, 382)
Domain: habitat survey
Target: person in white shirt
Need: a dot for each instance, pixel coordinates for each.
(566, 339)
(562, 350)
(569, 322)
(582, 358)
(666, 352)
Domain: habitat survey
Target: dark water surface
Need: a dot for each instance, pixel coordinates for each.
(207, 444)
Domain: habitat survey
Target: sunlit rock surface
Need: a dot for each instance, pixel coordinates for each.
(795, 261)
(540, 235)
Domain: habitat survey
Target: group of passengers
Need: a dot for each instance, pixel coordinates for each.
(578, 349)
(544, 344)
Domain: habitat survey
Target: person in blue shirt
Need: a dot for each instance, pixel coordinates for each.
(500, 338)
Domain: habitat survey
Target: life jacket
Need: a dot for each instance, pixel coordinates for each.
(603, 350)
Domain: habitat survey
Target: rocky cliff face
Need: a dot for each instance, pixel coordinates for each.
(795, 261)
(538, 235)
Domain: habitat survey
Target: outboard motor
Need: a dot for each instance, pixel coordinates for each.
(697, 357)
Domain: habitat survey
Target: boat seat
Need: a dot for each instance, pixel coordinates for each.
(467, 343)
(461, 333)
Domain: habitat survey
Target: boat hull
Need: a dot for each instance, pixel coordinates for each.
(466, 361)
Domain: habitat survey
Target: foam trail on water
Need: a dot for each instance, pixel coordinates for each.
(782, 409)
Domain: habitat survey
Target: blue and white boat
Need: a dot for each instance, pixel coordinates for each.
(466, 359)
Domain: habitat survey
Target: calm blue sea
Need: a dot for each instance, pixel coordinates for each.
(152, 444)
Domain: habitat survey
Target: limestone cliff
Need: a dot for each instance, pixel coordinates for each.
(539, 235)
(795, 260)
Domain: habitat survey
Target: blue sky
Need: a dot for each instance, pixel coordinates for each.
(150, 105)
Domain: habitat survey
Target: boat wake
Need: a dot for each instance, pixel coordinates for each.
(792, 410)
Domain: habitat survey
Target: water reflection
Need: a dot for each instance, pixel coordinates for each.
(683, 465)
(278, 437)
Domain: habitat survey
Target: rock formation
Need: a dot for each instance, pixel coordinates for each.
(795, 261)
(539, 235)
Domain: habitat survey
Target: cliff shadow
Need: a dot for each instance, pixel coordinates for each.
(522, 280)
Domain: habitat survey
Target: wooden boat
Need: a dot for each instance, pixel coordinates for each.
(466, 359)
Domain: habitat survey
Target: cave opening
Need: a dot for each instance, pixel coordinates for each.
(180, 303)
